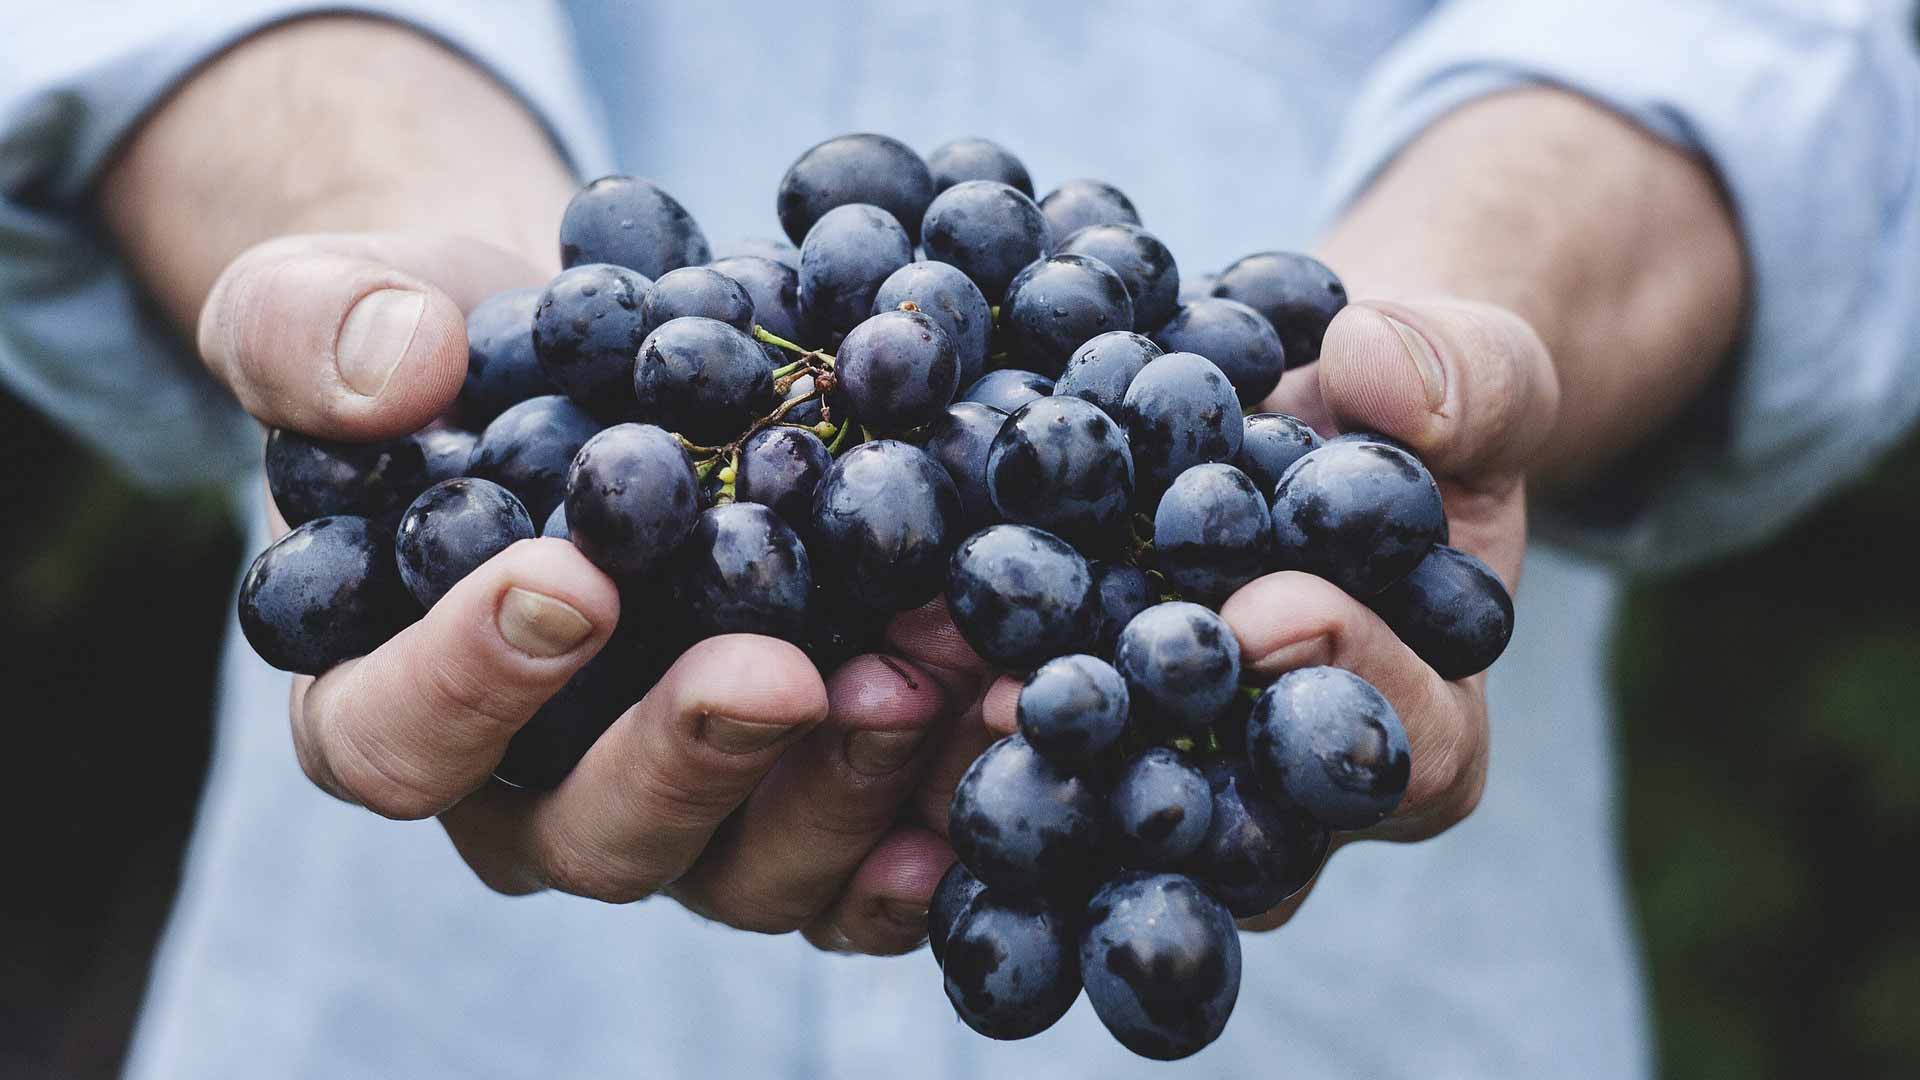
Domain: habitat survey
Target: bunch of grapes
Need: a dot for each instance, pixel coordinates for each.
(947, 387)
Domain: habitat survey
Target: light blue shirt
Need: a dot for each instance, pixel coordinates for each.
(312, 939)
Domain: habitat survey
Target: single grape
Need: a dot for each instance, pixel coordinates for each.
(1025, 826)
(898, 370)
(843, 261)
(703, 378)
(1182, 666)
(977, 159)
(1008, 388)
(1211, 533)
(326, 592)
(990, 231)
(632, 497)
(1143, 263)
(1235, 337)
(1180, 411)
(1012, 970)
(774, 288)
(1360, 514)
(446, 450)
(556, 524)
(501, 367)
(1081, 204)
(760, 247)
(1326, 741)
(1257, 851)
(630, 222)
(1120, 591)
(1072, 709)
(959, 440)
(1451, 610)
(1055, 304)
(885, 520)
(808, 412)
(585, 332)
(1021, 596)
(1273, 442)
(1161, 963)
(864, 168)
(956, 892)
(1158, 810)
(1102, 368)
(528, 448)
(451, 529)
(780, 468)
(953, 300)
(313, 478)
(744, 571)
(1061, 464)
(552, 742)
(696, 290)
(1296, 293)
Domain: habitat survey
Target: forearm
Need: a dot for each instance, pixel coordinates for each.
(1619, 249)
(328, 124)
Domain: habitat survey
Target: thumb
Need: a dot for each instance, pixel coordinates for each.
(350, 336)
(1469, 386)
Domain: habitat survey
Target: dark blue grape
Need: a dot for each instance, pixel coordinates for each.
(326, 592)
(871, 169)
(1120, 591)
(528, 448)
(774, 288)
(447, 451)
(1296, 293)
(1072, 709)
(744, 571)
(1180, 411)
(1161, 963)
(1081, 204)
(1257, 852)
(630, 222)
(1101, 369)
(839, 629)
(501, 367)
(808, 412)
(1025, 826)
(1360, 514)
(977, 159)
(1141, 260)
(1273, 442)
(761, 247)
(702, 378)
(990, 231)
(1158, 810)
(313, 478)
(451, 529)
(1451, 610)
(1235, 337)
(898, 371)
(1021, 596)
(1326, 741)
(1182, 666)
(956, 892)
(1008, 388)
(632, 497)
(552, 742)
(1061, 464)
(1011, 971)
(885, 520)
(780, 467)
(1055, 305)
(1211, 533)
(556, 525)
(953, 300)
(696, 290)
(585, 332)
(843, 261)
(959, 440)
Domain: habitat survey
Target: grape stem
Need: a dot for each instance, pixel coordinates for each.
(808, 357)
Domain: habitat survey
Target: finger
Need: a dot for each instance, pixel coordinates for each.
(884, 909)
(957, 745)
(644, 802)
(409, 729)
(354, 337)
(1298, 396)
(927, 637)
(789, 851)
(1292, 620)
(999, 709)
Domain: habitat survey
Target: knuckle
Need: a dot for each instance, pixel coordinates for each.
(455, 685)
(575, 868)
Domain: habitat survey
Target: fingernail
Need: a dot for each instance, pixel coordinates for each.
(730, 736)
(1426, 362)
(877, 753)
(540, 625)
(1308, 653)
(375, 336)
(905, 915)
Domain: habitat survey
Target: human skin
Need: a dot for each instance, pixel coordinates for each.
(1529, 248)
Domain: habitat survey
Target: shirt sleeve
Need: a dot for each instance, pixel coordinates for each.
(76, 338)
(1810, 111)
